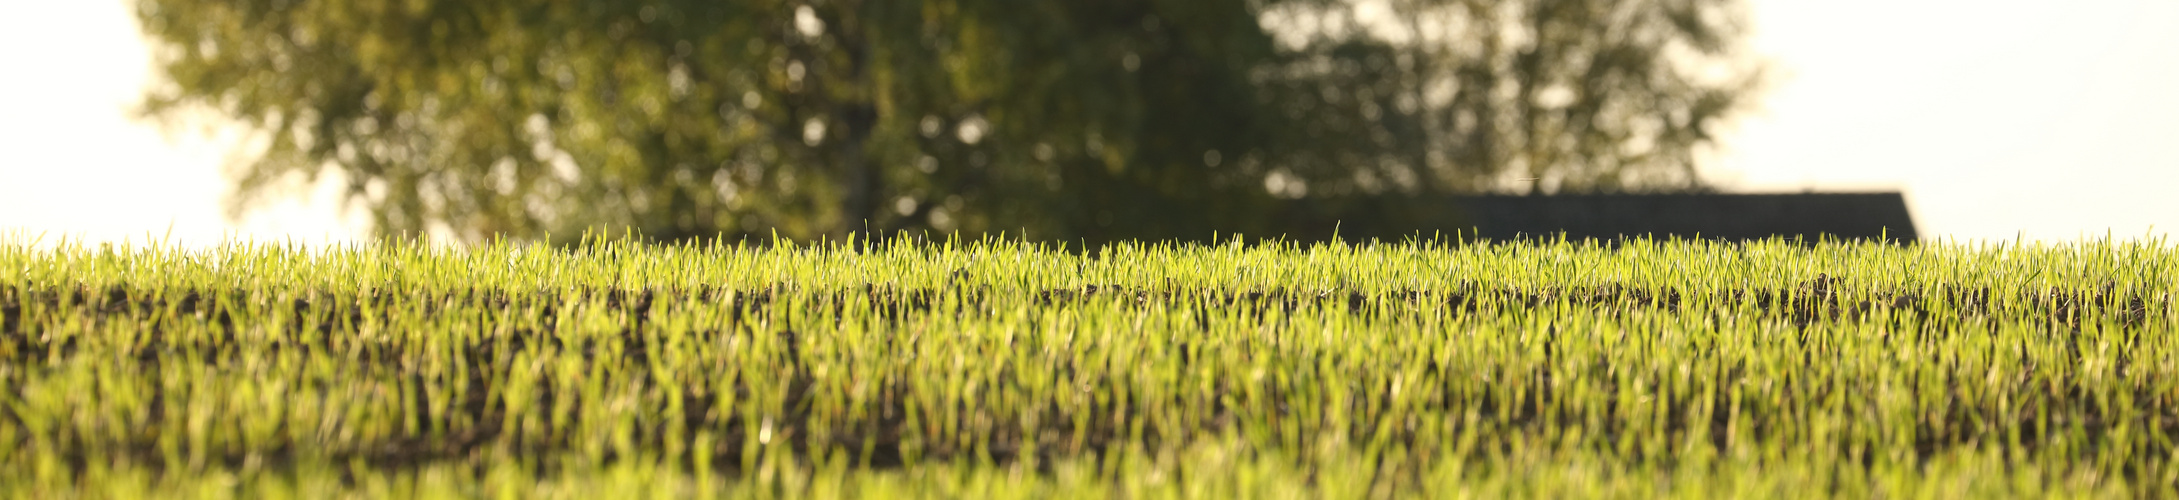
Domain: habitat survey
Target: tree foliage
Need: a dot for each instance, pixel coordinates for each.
(1061, 119)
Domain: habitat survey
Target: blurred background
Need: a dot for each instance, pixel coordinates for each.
(322, 121)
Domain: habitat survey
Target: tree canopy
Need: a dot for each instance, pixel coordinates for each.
(1061, 119)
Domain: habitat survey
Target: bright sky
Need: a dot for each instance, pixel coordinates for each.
(74, 162)
(1996, 118)
(2052, 120)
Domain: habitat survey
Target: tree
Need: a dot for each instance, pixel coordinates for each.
(1091, 120)
(1527, 96)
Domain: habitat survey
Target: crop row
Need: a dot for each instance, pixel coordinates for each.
(1670, 368)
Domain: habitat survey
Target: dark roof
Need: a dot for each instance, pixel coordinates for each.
(1845, 216)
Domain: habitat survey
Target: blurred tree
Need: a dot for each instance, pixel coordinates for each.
(1092, 120)
(1529, 96)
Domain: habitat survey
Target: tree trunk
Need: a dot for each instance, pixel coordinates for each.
(858, 201)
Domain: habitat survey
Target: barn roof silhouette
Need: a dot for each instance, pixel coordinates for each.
(1810, 216)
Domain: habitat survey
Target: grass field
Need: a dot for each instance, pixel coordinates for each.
(999, 369)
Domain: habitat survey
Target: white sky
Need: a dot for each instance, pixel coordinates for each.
(1996, 118)
(2052, 120)
(73, 161)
